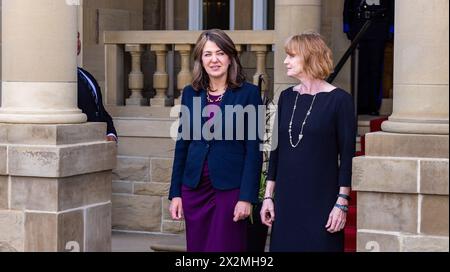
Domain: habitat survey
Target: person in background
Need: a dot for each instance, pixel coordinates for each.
(371, 47)
(90, 100)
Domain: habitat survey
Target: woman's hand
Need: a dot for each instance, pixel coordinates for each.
(176, 208)
(267, 212)
(242, 210)
(337, 218)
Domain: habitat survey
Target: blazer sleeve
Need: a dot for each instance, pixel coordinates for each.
(110, 129)
(181, 151)
(273, 158)
(346, 134)
(251, 173)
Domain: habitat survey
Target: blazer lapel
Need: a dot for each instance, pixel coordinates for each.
(203, 105)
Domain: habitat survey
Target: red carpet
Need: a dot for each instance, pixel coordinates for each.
(350, 228)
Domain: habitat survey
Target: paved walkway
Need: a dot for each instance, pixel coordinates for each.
(145, 242)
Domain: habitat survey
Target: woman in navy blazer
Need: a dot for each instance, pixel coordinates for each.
(217, 163)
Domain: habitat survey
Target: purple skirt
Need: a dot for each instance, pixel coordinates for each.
(209, 215)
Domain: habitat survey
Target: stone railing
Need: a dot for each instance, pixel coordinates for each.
(134, 43)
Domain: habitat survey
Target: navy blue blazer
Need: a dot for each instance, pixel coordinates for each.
(232, 164)
(95, 112)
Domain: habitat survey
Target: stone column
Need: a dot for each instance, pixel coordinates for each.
(402, 182)
(261, 56)
(136, 77)
(49, 80)
(292, 17)
(421, 70)
(160, 78)
(55, 170)
(184, 77)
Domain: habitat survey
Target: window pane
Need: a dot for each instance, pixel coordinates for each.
(216, 14)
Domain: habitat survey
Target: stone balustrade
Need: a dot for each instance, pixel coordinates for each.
(119, 43)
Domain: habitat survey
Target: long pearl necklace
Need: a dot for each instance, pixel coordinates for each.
(300, 136)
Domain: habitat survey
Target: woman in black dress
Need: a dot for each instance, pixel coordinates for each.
(311, 166)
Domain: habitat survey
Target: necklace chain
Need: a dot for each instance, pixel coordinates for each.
(300, 136)
(214, 100)
(219, 99)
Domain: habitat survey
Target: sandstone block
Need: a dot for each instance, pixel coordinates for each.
(421, 243)
(407, 145)
(98, 228)
(3, 159)
(64, 161)
(32, 134)
(11, 231)
(385, 175)
(3, 193)
(161, 170)
(122, 187)
(70, 231)
(434, 215)
(151, 188)
(389, 212)
(44, 224)
(132, 212)
(51, 194)
(132, 169)
(146, 147)
(377, 242)
(434, 177)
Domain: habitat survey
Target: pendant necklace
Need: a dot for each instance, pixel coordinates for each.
(300, 136)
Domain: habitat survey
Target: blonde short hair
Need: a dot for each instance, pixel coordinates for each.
(316, 55)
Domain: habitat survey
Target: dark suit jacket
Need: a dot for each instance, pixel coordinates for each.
(381, 25)
(233, 164)
(95, 112)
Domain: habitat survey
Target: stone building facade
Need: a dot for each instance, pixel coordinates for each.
(53, 182)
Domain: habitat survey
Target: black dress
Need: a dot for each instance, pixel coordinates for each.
(308, 177)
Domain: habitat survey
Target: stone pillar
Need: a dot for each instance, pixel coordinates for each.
(402, 182)
(421, 69)
(0, 53)
(160, 78)
(292, 17)
(261, 56)
(55, 170)
(50, 80)
(239, 49)
(136, 77)
(184, 77)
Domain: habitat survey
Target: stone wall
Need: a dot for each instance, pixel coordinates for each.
(403, 188)
(98, 16)
(141, 179)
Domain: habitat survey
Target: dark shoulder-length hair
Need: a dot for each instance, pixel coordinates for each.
(236, 75)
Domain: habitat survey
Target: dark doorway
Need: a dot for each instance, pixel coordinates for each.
(216, 14)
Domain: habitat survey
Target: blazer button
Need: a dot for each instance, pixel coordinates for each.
(207, 145)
